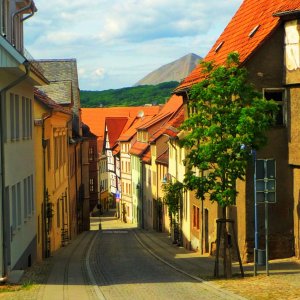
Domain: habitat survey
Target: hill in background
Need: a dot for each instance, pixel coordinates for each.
(155, 88)
(174, 71)
(131, 96)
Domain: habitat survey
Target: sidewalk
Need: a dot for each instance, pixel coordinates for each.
(283, 282)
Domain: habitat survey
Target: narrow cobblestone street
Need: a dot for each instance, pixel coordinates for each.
(123, 262)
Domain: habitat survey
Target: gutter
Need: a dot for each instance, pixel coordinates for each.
(29, 6)
(6, 231)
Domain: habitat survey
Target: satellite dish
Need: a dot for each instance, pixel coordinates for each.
(141, 114)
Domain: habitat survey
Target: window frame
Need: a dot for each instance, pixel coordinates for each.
(282, 103)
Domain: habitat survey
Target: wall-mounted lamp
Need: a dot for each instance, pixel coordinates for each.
(166, 178)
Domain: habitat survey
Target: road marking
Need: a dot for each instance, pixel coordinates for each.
(96, 288)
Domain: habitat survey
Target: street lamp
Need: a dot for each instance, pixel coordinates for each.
(100, 208)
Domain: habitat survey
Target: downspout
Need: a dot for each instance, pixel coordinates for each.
(142, 192)
(76, 188)
(44, 145)
(3, 195)
(30, 5)
(69, 181)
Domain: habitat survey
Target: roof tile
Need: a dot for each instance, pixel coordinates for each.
(236, 35)
(46, 100)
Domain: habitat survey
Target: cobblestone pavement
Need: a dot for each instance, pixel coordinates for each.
(123, 262)
(124, 269)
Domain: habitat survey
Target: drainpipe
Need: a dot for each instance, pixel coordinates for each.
(69, 220)
(44, 145)
(29, 6)
(4, 207)
(142, 191)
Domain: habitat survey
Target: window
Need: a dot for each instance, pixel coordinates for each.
(17, 117)
(14, 207)
(58, 213)
(154, 178)
(31, 194)
(91, 184)
(25, 198)
(196, 212)
(12, 117)
(48, 155)
(19, 216)
(91, 154)
(278, 95)
(60, 152)
(29, 189)
(149, 177)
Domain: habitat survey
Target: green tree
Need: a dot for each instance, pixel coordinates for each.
(173, 199)
(228, 118)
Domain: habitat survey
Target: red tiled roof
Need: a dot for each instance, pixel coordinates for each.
(236, 36)
(168, 109)
(115, 126)
(147, 156)
(163, 158)
(138, 148)
(43, 98)
(128, 134)
(170, 128)
(95, 117)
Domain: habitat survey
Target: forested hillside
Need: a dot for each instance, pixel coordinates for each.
(131, 96)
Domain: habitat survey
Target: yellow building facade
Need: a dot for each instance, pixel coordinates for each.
(52, 124)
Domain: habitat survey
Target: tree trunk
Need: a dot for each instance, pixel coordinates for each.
(227, 263)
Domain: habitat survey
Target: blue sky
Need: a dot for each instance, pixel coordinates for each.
(117, 42)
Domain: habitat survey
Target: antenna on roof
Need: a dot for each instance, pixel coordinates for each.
(140, 114)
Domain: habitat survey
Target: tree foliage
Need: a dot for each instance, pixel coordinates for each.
(172, 196)
(228, 118)
(131, 96)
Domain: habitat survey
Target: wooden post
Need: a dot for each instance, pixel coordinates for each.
(221, 223)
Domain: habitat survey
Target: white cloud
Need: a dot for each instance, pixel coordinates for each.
(100, 72)
(127, 38)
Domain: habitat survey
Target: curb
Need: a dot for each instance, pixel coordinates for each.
(217, 289)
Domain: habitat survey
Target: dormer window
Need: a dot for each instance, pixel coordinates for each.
(219, 46)
(253, 31)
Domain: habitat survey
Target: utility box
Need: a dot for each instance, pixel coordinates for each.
(261, 257)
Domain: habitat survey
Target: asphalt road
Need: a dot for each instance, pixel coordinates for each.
(113, 263)
(124, 269)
